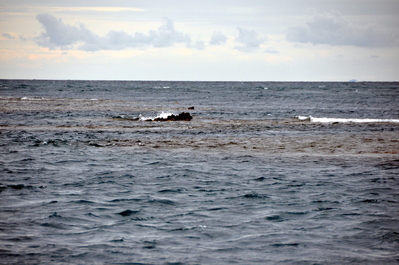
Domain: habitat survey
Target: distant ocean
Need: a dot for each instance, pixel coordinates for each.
(264, 173)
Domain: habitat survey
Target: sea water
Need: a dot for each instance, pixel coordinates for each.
(264, 173)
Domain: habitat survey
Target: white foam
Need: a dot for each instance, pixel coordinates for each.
(344, 120)
(33, 98)
(163, 115)
(302, 118)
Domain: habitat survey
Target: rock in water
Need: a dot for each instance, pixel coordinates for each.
(184, 116)
(128, 213)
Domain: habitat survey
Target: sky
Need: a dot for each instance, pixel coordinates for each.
(200, 40)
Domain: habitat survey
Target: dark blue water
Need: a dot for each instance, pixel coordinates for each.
(85, 181)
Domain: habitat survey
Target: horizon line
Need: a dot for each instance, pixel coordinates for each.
(160, 80)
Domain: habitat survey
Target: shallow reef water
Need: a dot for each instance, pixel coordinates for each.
(251, 179)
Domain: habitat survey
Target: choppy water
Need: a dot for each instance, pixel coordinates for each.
(265, 173)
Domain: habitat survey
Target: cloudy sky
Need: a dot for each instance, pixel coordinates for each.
(209, 40)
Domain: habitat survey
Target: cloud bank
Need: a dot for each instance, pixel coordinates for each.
(330, 28)
(57, 34)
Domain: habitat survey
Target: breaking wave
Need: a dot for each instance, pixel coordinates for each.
(344, 120)
(163, 115)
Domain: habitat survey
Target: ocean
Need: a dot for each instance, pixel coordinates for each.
(263, 173)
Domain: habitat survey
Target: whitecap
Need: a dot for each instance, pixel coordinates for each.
(33, 98)
(302, 118)
(344, 120)
(163, 115)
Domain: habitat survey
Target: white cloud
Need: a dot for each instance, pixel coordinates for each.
(330, 28)
(167, 35)
(57, 34)
(60, 35)
(249, 40)
(218, 38)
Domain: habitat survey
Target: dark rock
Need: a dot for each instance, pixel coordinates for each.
(128, 212)
(184, 116)
(20, 186)
(190, 107)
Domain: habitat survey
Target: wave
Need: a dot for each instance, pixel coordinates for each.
(166, 116)
(163, 115)
(344, 120)
(33, 98)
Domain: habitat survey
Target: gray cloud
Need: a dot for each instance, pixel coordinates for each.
(218, 38)
(249, 40)
(57, 34)
(7, 36)
(330, 28)
(199, 45)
